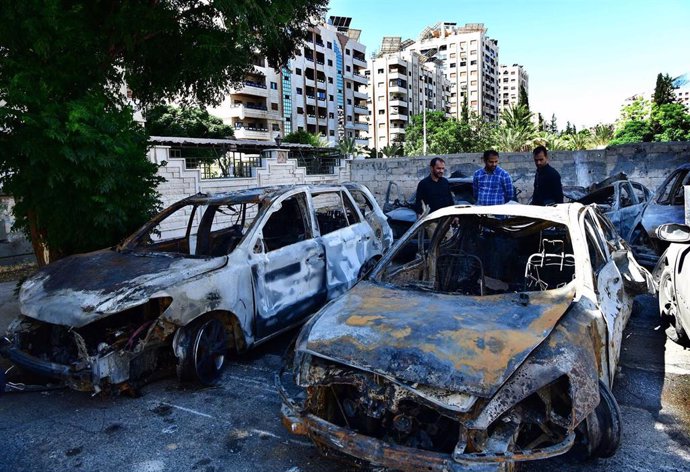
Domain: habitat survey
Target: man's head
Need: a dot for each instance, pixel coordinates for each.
(438, 167)
(541, 156)
(490, 160)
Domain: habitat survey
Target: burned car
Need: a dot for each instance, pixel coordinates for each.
(667, 206)
(400, 210)
(673, 275)
(209, 276)
(620, 199)
(497, 343)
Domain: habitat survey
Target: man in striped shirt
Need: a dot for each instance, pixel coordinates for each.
(491, 184)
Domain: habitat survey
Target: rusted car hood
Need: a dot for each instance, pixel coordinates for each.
(458, 343)
(80, 289)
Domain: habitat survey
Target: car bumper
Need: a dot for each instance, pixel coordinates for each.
(380, 453)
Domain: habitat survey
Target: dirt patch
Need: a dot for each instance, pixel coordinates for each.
(17, 271)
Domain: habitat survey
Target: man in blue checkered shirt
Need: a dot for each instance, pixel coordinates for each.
(491, 184)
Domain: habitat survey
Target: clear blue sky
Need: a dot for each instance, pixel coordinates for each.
(583, 57)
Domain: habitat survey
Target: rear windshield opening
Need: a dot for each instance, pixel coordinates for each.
(483, 255)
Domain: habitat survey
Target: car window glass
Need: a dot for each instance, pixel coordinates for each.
(330, 212)
(363, 203)
(350, 211)
(639, 192)
(626, 196)
(287, 225)
(678, 197)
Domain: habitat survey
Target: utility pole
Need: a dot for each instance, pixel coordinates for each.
(424, 121)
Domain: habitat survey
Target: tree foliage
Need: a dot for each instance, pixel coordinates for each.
(523, 99)
(302, 137)
(72, 156)
(194, 122)
(447, 135)
(663, 90)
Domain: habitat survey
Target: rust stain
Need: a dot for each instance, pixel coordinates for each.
(359, 320)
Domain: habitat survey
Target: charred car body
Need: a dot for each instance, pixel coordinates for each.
(494, 344)
(667, 206)
(211, 274)
(673, 275)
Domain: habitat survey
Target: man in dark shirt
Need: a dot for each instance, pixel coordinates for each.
(433, 190)
(547, 180)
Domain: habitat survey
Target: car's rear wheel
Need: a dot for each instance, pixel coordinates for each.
(603, 425)
(205, 351)
(668, 308)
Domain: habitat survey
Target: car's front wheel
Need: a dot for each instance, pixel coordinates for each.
(668, 308)
(205, 349)
(603, 425)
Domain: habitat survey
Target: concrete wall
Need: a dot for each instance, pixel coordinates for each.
(647, 163)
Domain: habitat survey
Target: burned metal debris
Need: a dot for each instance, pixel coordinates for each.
(212, 275)
(495, 343)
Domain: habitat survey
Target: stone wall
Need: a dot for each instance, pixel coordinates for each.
(647, 163)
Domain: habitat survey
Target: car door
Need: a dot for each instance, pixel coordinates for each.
(346, 237)
(288, 266)
(628, 208)
(611, 296)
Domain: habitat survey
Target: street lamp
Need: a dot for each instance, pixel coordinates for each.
(278, 139)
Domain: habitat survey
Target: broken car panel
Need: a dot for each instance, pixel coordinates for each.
(212, 274)
(461, 358)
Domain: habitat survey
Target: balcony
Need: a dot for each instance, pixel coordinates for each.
(261, 134)
(397, 102)
(359, 94)
(254, 88)
(362, 141)
(311, 99)
(311, 119)
(400, 116)
(359, 61)
(251, 111)
(360, 78)
(396, 129)
(361, 110)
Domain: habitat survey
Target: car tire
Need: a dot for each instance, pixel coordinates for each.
(603, 425)
(205, 352)
(668, 308)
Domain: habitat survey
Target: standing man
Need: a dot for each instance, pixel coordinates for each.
(547, 180)
(433, 190)
(492, 185)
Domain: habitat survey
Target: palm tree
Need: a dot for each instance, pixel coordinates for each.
(392, 150)
(551, 141)
(581, 140)
(349, 147)
(601, 135)
(516, 131)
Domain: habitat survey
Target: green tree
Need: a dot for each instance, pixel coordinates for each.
(350, 148)
(523, 99)
(670, 122)
(663, 91)
(72, 155)
(447, 135)
(554, 124)
(392, 150)
(193, 122)
(580, 140)
(302, 137)
(633, 126)
(602, 134)
(516, 131)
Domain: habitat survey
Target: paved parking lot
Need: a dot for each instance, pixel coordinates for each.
(235, 426)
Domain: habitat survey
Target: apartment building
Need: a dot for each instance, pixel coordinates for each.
(683, 95)
(469, 59)
(323, 89)
(402, 83)
(511, 78)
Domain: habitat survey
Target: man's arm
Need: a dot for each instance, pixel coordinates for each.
(508, 190)
(475, 186)
(418, 198)
(558, 188)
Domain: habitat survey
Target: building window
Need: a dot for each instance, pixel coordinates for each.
(299, 90)
(349, 102)
(276, 127)
(382, 112)
(463, 63)
(349, 118)
(473, 63)
(380, 71)
(330, 62)
(347, 69)
(274, 106)
(330, 98)
(329, 45)
(330, 80)
(348, 85)
(347, 52)
(300, 110)
(274, 86)
(298, 71)
(331, 115)
(331, 133)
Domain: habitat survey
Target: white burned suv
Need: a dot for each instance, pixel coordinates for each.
(208, 276)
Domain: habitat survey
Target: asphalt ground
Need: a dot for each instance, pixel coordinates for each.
(236, 425)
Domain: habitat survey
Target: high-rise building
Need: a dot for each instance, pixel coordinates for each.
(511, 78)
(402, 83)
(470, 62)
(323, 89)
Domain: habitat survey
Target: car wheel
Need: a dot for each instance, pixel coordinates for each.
(668, 308)
(603, 425)
(205, 351)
